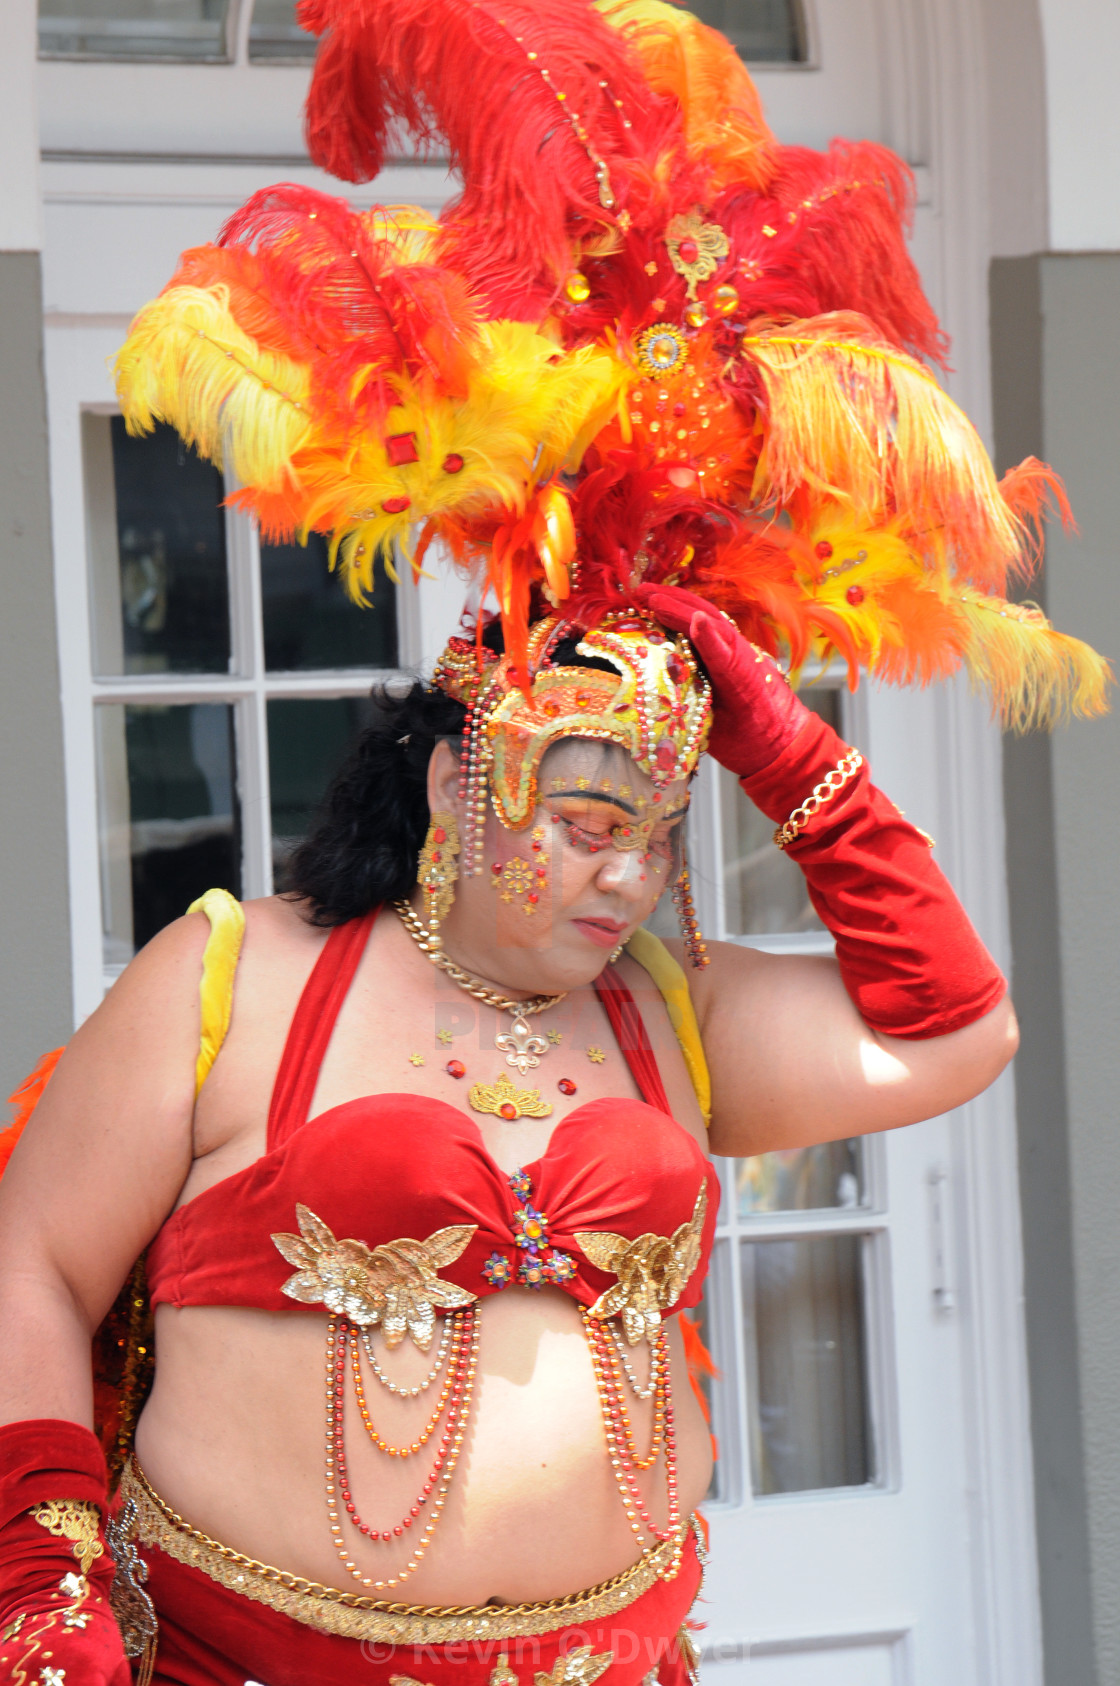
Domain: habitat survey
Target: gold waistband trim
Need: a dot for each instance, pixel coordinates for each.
(349, 1616)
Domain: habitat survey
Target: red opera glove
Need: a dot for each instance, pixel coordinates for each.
(56, 1624)
(755, 714)
(908, 954)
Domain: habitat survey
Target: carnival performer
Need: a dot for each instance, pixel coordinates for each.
(419, 1172)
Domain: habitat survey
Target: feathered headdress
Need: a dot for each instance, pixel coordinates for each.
(646, 345)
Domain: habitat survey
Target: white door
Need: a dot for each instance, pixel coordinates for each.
(872, 1520)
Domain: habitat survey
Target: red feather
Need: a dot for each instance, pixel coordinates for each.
(340, 279)
(531, 189)
(850, 239)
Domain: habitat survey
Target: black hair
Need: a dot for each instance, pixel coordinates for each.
(365, 843)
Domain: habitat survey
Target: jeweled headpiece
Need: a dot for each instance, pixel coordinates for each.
(645, 345)
(656, 706)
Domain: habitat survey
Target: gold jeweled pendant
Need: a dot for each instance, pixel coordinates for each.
(521, 1045)
(503, 1100)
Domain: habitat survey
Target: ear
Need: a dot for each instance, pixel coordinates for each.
(443, 781)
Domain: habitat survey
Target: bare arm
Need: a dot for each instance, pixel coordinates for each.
(792, 1062)
(95, 1174)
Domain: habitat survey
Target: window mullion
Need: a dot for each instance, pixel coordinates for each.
(247, 639)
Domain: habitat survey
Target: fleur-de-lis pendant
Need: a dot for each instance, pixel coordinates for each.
(521, 1045)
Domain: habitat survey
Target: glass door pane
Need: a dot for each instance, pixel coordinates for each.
(803, 1179)
(133, 29)
(311, 623)
(307, 740)
(764, 892)
(170, 815)
(806, 1351)
(764, 31)
(275, 35)
(158, 553)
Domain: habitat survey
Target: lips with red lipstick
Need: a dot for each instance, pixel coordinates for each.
(605, 933)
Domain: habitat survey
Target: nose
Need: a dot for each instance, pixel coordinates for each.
(623, 872)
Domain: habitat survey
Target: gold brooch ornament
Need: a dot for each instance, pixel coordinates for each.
(503, 1100)
(660, 349)
(696, 248)
(652, 1271)
(578, 1667)
(395, 1285)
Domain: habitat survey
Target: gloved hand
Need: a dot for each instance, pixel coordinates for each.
(56, 1624)
(755, 714)
(908, 955)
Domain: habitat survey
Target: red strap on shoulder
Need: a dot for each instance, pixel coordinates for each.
(313, 1025)
(630, 1034)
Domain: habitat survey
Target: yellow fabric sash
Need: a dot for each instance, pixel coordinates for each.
(219, 965)
(652, 955)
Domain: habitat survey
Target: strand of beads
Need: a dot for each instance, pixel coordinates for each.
(624, 1422)
(430, 1426)
(421, 1387)
(621, 1459)
(340, 1502)
(636, 1386)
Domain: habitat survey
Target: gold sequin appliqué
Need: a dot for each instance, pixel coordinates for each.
(395, 1285)
(652, 1271)
(77, 1522)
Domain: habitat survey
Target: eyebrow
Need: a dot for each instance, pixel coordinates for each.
(592, 796)
(613, 802)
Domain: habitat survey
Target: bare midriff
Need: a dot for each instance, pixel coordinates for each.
(234, 1438)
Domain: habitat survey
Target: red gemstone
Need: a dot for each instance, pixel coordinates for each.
(453, 463)
(566, 1086)
(455, 1068)
(688, 250)
(496, 869)
(855, 594)
(676, 670)
(507, 1110)
(532, 896)
(665, 755)
(824, 550)
(396, 506)
(439, 835)
(401, 448)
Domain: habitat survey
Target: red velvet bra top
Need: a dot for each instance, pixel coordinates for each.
(401, 1211)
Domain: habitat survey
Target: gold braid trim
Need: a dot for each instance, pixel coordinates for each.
(350, 1616)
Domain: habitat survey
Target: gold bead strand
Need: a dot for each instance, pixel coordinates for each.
(336, 1464)
(430, 1426)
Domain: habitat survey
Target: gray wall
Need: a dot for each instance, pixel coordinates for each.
(35, 987)
(1056, 368)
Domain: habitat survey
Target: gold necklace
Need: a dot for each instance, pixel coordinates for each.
(521, 1046)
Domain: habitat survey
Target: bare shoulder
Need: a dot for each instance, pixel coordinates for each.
(729, 964)
(280, 946)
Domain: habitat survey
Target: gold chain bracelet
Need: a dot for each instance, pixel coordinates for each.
(822, 793)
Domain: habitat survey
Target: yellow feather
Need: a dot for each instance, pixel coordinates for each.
(526, 413)
(187, 362)
(1036, 676)
(851, 419)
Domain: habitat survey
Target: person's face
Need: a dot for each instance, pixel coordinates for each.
(555, 899)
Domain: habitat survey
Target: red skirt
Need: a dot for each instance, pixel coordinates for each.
(210, 1636)
(211, 1632)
